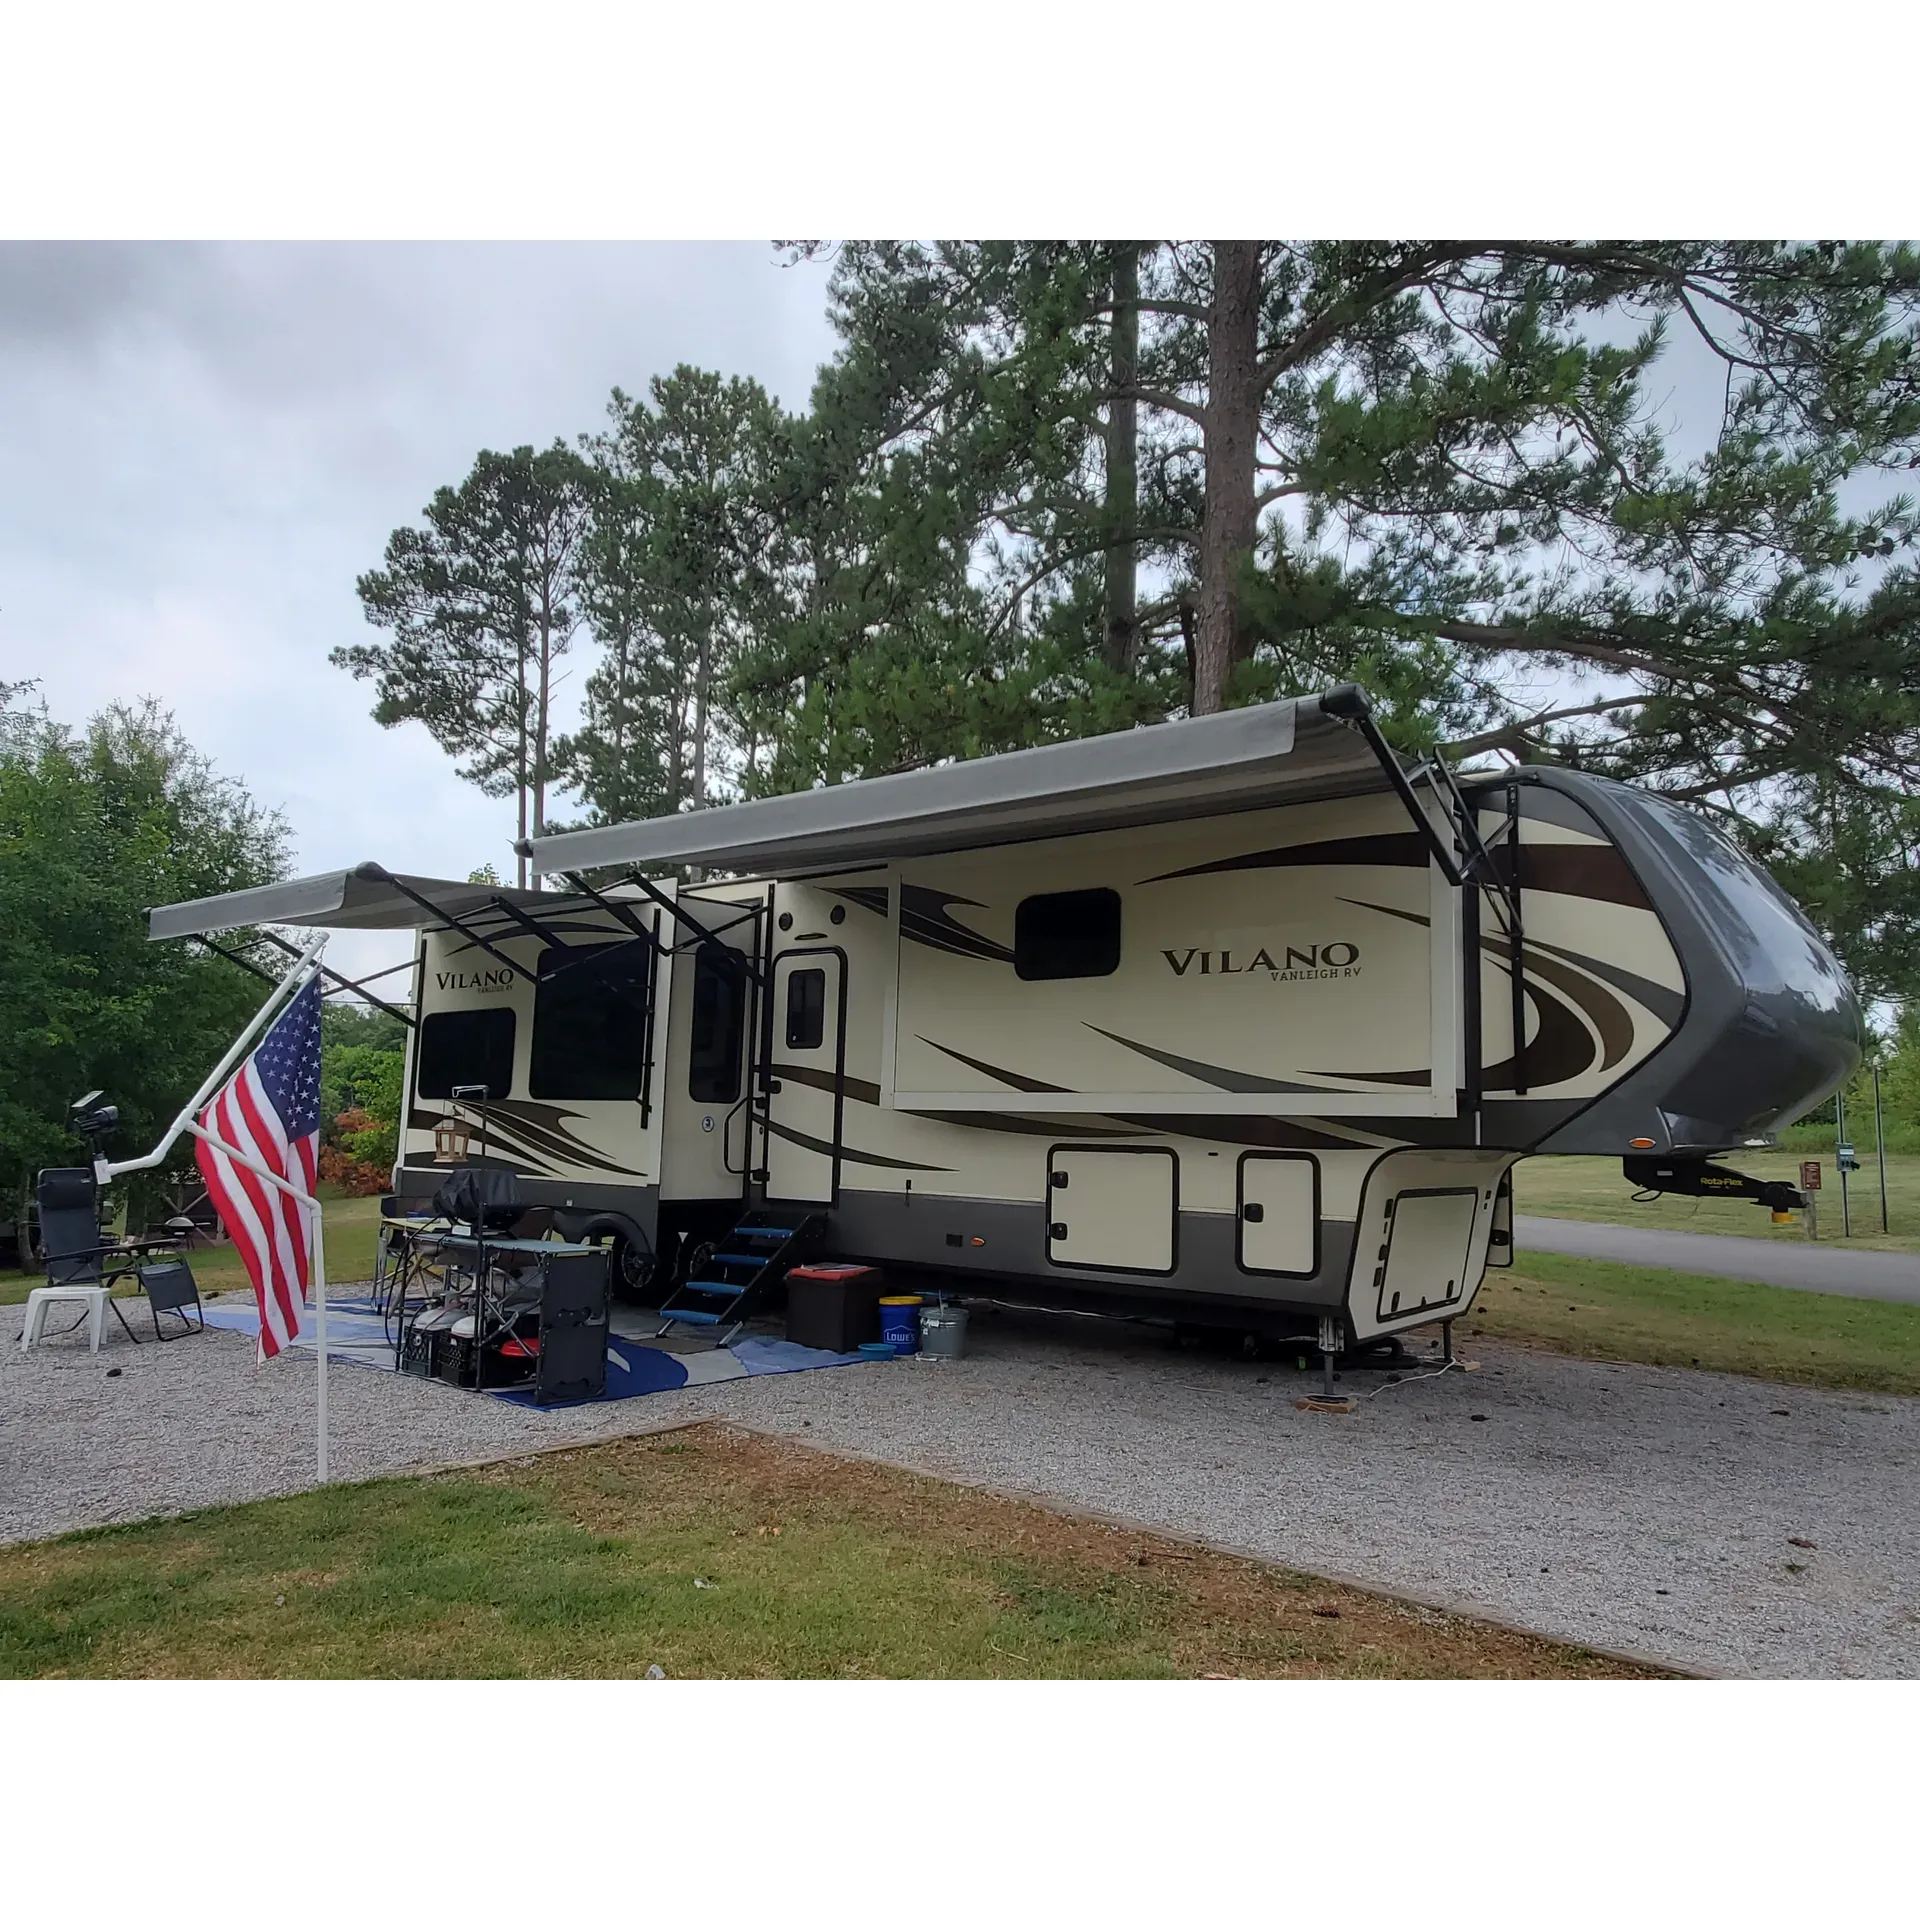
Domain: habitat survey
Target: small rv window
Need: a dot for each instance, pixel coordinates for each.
(806, 1008)
(470, 1047)
(589, 1023)
(1067, 936)
(719, 1018)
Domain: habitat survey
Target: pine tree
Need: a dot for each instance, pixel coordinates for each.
(481, 604)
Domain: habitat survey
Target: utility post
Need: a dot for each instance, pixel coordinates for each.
(1880, 1145)
(1810, 1189)
(1845, 1159)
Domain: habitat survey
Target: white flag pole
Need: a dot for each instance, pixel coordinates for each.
(296, 977)
(311, 1202)
(320, 1328)
(291, 982)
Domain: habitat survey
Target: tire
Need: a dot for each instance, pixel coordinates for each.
(637, 1279)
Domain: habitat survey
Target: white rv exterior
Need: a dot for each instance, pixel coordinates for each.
(1241, 1052)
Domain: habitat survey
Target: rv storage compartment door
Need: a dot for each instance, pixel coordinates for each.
(1429, 1235)
(1112, 1207)
(1279, 1212)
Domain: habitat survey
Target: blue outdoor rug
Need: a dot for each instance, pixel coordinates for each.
(356, 1337)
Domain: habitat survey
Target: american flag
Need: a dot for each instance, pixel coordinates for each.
(271, 1110)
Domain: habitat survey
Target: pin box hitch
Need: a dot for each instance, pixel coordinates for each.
(1704, 1180)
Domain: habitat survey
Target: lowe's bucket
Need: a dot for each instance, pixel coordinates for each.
(900, 1322)
(943, 1332)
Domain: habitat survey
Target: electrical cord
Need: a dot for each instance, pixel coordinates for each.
(1449, 1367)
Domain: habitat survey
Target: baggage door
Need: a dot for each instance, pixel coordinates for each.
(805, 1074)
(1279, 1213)
(1112, 1207)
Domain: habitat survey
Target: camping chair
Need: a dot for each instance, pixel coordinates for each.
(82, 1264)
(170, 1288)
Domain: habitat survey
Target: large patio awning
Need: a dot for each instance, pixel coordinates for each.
(1272, 755)
(365, 897)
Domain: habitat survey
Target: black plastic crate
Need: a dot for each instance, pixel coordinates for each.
(834, 1308)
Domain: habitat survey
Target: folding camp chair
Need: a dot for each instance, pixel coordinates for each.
(82, 1264)
(170, 1288)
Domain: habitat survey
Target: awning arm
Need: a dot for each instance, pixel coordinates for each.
(372, 870)
(701, 935)
(620, 911)
(579, 955)
(1350, 703)
(339, 982)
(1466, 862)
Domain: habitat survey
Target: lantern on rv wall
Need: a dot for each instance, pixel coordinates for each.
(450, 1140)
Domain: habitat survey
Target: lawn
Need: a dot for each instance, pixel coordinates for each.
(1572, 1187)
(707, 1552)
(352, 1226)
(1602, 1311)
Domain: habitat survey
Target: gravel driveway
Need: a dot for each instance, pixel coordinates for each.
(1639, 1509)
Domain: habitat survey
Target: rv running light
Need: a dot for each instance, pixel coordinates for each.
(91, 1120)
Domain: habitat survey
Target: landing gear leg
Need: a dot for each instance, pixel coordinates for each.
(1330, 1344)
(1332, 1339)
(1446, 1342)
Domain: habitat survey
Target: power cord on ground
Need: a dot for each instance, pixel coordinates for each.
(1451, 1366)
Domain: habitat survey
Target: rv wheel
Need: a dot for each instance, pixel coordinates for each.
(635, 1270)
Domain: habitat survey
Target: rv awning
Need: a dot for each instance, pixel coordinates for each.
(364, 897)
(1264, 756)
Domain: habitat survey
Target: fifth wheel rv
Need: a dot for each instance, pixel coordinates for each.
(1239, 1021)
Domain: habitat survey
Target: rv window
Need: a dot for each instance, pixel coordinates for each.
(806, 1008)
(590, 1023)
(719, 1018)
(467, 1048)
(1067, 936)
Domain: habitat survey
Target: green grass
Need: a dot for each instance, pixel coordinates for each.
(1602, 1311)
(709, 1553)
(1570, 1187)
(352, 1227)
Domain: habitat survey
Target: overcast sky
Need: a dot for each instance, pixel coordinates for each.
(202, 446)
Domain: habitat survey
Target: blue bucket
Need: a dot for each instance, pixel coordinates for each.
(900, 1322)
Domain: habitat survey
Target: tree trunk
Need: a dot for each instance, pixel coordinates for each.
(520, 761)
(701, 685)
(1231, 430)
(542, 714)
(1123, 462)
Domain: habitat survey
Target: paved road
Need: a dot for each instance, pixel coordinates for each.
(1779, 1263)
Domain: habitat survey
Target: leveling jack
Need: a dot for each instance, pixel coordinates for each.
(1331, 1341)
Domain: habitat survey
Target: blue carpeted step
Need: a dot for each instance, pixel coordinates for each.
(714, 1286)
(739, 1260)
(690, 1317)
(764, 1233)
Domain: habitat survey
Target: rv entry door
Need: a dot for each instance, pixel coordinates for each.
(806, 1063)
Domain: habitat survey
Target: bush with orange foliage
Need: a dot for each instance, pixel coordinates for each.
(363, 1158)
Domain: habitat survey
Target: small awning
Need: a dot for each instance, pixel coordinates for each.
(1272, 755)
(366, 897)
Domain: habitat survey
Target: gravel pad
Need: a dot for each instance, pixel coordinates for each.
(1645, 1510)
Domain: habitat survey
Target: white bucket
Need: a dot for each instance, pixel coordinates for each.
(943, 1332)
